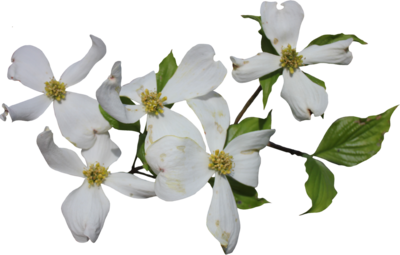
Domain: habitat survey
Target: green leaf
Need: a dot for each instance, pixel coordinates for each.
(352, 140)
(119, 125)
(265, 43)
(241, 188)
(166, 70)
(248, 125)
(247, 204)
(237, 187)
(328, 39)
(147, 168)
(170, 106)
(126, 100)
(140, 153)
(266, 83)
(252, 17)
(315, 80)
(320, 185)
(140, 147)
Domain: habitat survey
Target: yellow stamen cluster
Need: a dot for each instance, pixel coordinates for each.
(55, 89)
(290, 59)
(221, 162)
(96, 174)
(152, 102)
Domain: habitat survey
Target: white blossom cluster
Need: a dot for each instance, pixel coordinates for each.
(174, 147)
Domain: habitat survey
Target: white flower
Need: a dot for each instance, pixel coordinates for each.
(197, 75)
(86, 208)
(183, 167)
(78, 116)
(282, 28)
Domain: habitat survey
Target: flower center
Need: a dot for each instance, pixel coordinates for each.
(96, 174)
(55, 89)
(152, 102)
(290, 60)
(221, 162)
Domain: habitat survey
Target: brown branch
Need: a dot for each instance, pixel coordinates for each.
(270, 144)
(252, 98)
(291, 151)
(135, 170)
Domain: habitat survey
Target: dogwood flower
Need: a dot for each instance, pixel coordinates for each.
(78, 116)
(86, 208)
(197, 75)
(183, 167)
(282, 27)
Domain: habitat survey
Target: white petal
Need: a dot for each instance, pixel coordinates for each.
(79, 119)
(213, 112)
(134, 89)
(171, 123)
(28, 110)
(245, 151)
(181, 166)
(223, 218)
(79, 70)
(282, 27)
(304, 96)
(115, 75)
(3, 116)
(333, 53)
(104, 151)
(108, 97)
(31, 67)
(245, 70)
(130, 185)
(60, 159)
(85, 210)
(197, 75)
